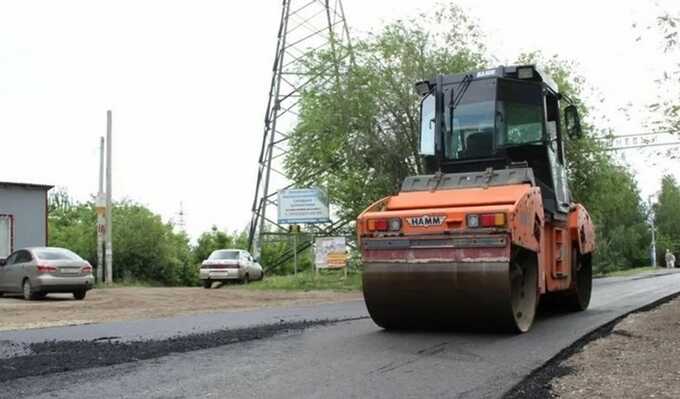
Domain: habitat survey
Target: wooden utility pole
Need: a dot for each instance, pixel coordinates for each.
(109, 246)
(100, 207)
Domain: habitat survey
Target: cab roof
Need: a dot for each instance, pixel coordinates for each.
(522, 72)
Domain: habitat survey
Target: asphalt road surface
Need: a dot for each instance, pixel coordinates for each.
(343, 359)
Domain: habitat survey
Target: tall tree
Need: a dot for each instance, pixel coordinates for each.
(358, 136)
(667, 216)
(669, 83)
(214, 240)
(604, 186)
(145, 248)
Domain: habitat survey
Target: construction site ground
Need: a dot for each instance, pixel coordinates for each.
(109, 304)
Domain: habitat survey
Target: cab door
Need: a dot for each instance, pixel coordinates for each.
(556, 152)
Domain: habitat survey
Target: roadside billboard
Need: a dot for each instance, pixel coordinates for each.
(303, 206)
(330, 252)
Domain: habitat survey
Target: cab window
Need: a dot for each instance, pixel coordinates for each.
(524, 123)
(427, 128)
(520, 106)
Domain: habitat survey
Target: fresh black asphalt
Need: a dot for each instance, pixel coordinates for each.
(324, 351)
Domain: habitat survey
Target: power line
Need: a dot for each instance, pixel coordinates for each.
(635, 140)
(640, 146)
(610, 137)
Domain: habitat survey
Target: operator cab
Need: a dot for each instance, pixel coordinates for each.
(498, 118)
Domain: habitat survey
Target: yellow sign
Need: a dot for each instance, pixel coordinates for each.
(336, 260)
(330, 253)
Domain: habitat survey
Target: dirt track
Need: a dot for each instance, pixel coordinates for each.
(138, 303)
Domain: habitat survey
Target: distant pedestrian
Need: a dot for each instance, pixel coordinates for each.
(670, 259)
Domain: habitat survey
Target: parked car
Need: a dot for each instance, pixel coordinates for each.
(36, 272)
(230, 265)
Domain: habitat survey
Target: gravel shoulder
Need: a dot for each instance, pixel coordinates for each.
(135, 303)
(637, 356)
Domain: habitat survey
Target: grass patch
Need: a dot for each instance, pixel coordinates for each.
(628, 272)
(310, 281)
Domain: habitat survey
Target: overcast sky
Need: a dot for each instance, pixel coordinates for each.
(187, 82)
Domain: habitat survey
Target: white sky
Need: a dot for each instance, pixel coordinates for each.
(187, 82)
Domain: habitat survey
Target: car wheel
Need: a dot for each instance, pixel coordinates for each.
(1, 294)
(207, 284)
(29, 294)
(79, 295)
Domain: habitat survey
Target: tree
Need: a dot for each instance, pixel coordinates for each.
(669, 83)
(623, 236)
(72, 225)
(358, 136)
(667, 217)
(605, 187)
(145, 248)
(214, 240)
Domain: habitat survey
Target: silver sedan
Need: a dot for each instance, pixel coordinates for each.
(35, 272)
(230, 265)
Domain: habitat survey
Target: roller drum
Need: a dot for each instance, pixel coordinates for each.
(467, 295)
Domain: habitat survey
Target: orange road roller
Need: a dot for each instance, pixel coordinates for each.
(491, 229)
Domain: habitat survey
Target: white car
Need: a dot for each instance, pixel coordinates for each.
(230, 264)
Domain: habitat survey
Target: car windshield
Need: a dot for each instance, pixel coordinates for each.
(220, 255)
(55, 254)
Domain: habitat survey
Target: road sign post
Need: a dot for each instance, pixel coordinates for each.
(295, 257)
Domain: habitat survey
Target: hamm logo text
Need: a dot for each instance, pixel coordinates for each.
(426, 221)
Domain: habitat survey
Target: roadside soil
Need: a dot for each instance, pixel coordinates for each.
(640, 358)
(108, 304)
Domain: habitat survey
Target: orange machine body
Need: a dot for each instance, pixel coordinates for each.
(438, 222)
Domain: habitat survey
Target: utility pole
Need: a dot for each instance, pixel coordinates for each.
(109, 246)
(181, 224)
(652, 216)
(100, 207)
(295, 237)
(653, 244)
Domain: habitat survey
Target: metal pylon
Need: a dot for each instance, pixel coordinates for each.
(306, 27)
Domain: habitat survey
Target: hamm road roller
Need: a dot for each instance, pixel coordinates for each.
(490, 229)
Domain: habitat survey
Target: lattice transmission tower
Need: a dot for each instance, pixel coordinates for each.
(307, 27)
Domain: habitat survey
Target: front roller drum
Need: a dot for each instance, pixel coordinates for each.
(496, 296)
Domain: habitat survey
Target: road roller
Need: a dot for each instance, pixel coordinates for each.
(489, 229)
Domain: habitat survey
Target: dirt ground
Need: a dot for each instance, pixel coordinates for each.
(639, 359)
(107, 304)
